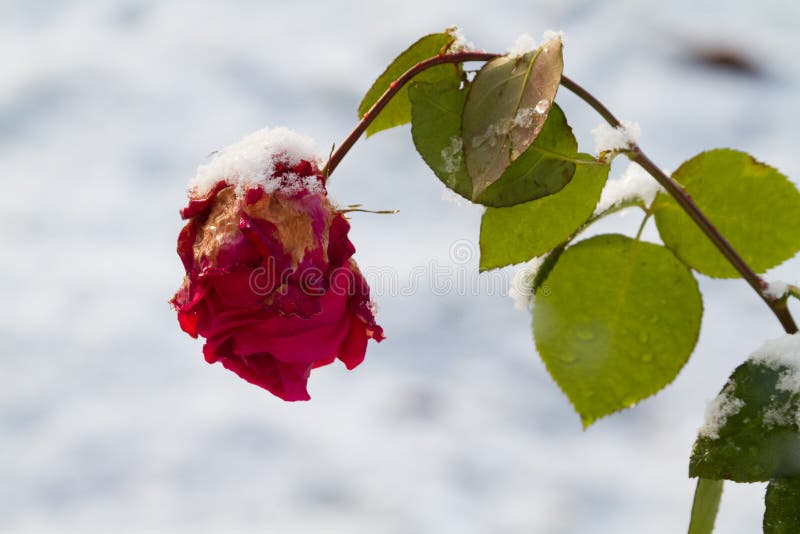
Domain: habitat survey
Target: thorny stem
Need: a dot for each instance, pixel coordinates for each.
(636, 154)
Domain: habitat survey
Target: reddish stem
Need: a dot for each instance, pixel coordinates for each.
(394, 87)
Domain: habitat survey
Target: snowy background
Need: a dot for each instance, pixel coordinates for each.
(110, 421)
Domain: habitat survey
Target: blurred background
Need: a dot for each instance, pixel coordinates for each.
(110, 421)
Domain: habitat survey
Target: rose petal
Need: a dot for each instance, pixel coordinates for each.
(197, 206)
(340, 249)
(354, 346)
(270, 282)
(287, 381)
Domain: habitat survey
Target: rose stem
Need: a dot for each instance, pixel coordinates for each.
(394, 87)
(778, 307)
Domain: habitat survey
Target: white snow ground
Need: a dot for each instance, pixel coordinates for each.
(110, 421)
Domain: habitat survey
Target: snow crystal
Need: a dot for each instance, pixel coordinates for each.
(622, 137)
(778, 416)
(549, 35)
(492, 133)
(523, 118)
(451, 155)
(521, 290)
(372, 306)
(448, 195)
(525, 43)
(461, 44)
(252, 161)
(719, 409)
(634, 184)
(783, 355)
(776, 289)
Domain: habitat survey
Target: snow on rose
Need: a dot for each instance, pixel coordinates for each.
(270, 280)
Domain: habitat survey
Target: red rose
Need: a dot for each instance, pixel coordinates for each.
(270, 280)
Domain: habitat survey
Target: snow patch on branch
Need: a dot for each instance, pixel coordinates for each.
(634, 184)
(776, 289)
(521, 290)
(623, 137)
(461, 43)
(252, 161)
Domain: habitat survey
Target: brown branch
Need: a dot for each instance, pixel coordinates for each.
(778, 307)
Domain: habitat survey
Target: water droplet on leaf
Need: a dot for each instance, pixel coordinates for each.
(541, 106)
(585, 335)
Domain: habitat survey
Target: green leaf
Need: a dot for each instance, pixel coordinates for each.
(436, 130)
(516, 234)
(758, 437)
(543, 169)
(782, 515)
(617, 323)
(506, 108)
(756, 208)
(398, 111)
(705, 506)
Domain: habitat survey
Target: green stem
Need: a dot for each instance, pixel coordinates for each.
(619, 206)
(647, 215)
(705, 506)
(794, 291)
